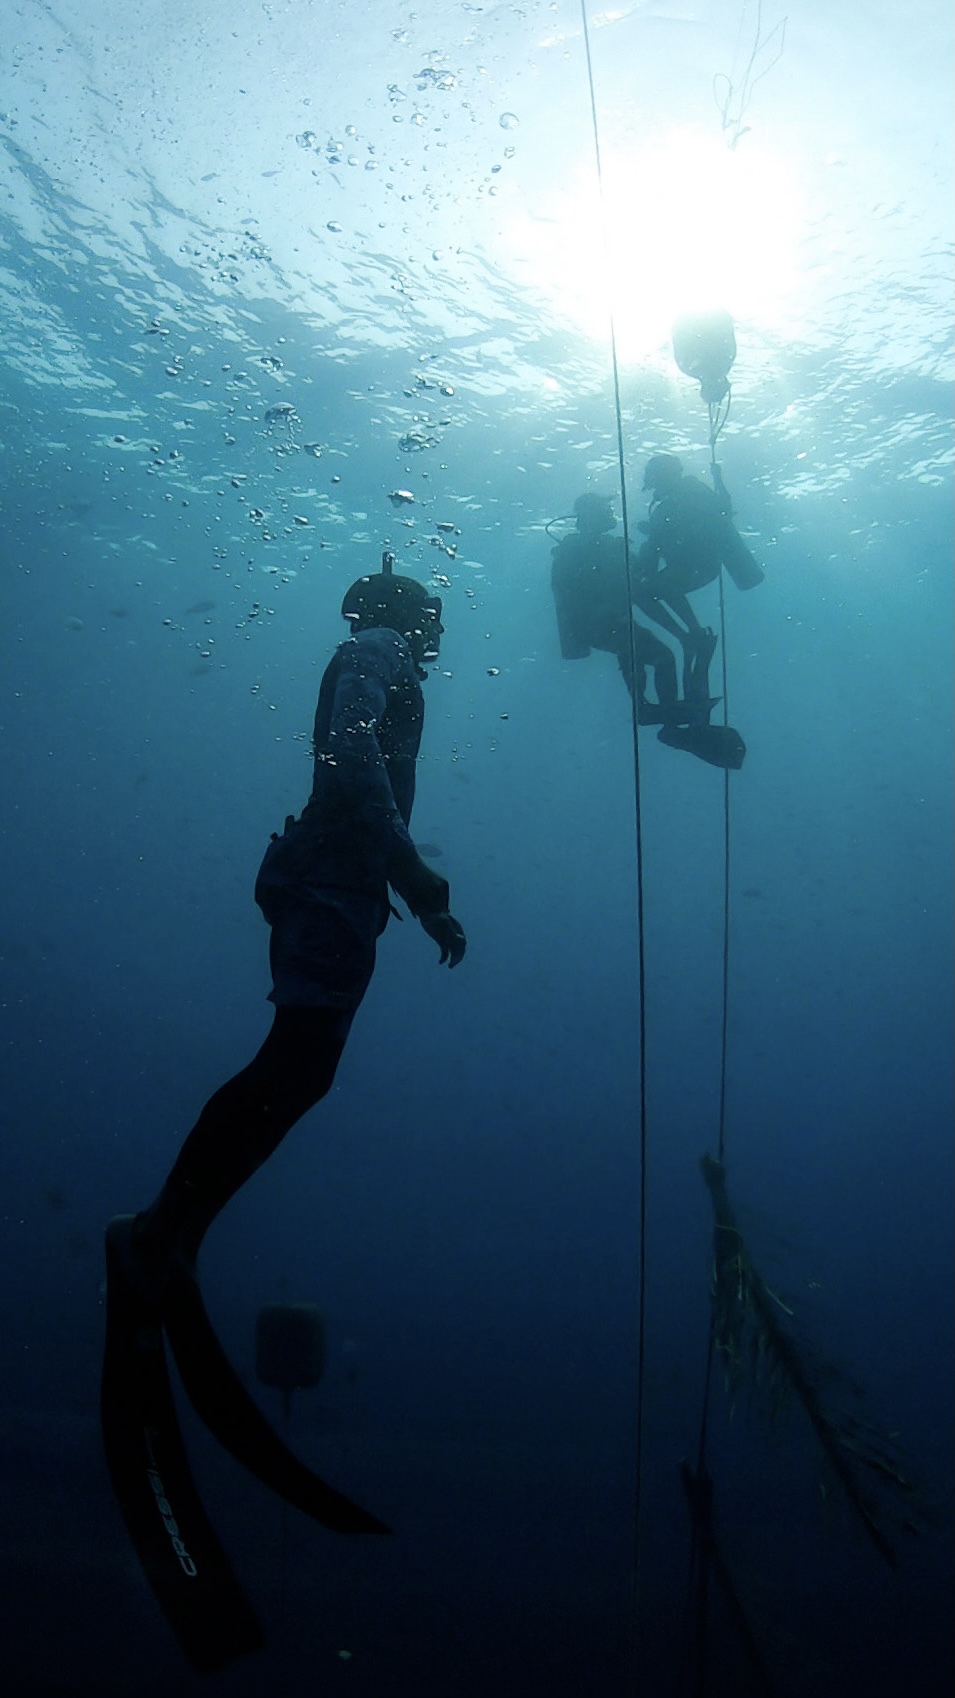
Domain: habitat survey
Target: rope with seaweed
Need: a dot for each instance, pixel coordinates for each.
(759, 1349)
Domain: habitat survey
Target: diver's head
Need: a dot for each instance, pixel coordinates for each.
(388, 601)
(594, 513)
(663, 473)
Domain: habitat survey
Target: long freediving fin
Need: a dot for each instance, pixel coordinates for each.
(176, 1544)
(235, 1419)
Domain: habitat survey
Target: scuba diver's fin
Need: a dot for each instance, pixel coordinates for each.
(718, 745)
(235, 1419)
(177, 1547)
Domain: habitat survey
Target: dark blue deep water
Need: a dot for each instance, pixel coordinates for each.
(388, 218)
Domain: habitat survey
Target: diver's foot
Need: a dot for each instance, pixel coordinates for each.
(695, 710)
(146, 1265)
(145, 1274)
(699, 645)
(650, 713)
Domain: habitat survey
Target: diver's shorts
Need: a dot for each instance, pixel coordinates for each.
(322, 948)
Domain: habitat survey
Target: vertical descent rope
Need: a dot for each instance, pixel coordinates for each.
(695, 1636)
(641, 950)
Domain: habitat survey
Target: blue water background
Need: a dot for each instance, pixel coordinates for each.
(465, 1207)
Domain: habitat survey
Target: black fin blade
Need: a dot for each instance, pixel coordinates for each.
(235, 1419)
(174, 1540)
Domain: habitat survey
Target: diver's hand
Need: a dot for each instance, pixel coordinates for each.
(427, 895)
(447, 934)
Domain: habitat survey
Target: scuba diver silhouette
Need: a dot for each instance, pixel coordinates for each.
(323, 887)
(594, 610)
(691, 532)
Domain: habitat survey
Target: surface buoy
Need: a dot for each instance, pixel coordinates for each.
(290, 1348)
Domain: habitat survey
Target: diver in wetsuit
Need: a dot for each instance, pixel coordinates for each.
(323, 887)
(691, 532)
(589, 581)
(593, 605)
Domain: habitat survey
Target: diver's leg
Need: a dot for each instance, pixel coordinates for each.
(663, 663)
(653, 607)
(698, 681)
(652, 654)
(154, 1296)
(621, 649)
(681, 607)
(241, 1126)
(322, 956)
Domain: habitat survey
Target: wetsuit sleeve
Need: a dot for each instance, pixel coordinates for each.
(353, 748)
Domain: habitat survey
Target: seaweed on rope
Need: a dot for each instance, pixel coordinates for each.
(760, 1352)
